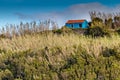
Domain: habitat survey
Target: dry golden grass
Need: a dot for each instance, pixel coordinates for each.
(51, 53)
(70, 42)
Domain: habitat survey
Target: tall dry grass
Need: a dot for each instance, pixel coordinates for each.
(59, 55)
(71, 42)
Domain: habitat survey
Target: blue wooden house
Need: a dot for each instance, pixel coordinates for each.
(75, 24)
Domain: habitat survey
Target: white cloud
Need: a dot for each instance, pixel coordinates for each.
(77, 11)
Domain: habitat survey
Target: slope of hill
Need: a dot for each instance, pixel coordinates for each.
(50, 56)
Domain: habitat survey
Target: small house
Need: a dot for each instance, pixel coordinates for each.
(75, 24)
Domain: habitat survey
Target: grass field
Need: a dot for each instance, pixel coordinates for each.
(60, 57)
(71, 41)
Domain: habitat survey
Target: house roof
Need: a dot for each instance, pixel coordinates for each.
(75, 21)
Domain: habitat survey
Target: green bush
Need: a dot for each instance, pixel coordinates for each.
(96, 32)
(118, 31)
(6, 75)
(81, 66)
(63, 30)
(58, 31)
(109, 52)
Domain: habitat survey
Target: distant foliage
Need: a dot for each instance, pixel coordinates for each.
(105, 20)
(95, 32)
(58, 31)
(12, 30)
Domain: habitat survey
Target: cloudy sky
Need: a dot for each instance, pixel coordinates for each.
(14, 11)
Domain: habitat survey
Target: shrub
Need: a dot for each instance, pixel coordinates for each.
(63, 30)
(6, 75)
(66, 29)
(95, 32)
(109, 52)
(2, 36)
(58, 31)
(118, 31)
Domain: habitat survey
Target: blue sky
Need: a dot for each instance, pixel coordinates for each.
(14, 11)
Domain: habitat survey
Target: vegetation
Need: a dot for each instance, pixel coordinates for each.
(118, 31)
(60, 57)
(96, 32)
(33, 51)
(105, 20)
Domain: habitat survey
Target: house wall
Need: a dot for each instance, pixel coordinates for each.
(76, 25)
(85, 24)
(68, 25)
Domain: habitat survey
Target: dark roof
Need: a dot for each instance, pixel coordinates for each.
(75, 21)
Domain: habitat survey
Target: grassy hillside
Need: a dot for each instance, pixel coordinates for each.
(51, 56)
(36, 51)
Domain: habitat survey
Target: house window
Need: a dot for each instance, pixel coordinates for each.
(80, 25)
(72, 25)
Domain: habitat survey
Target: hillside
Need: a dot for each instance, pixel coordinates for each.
(36, 51)
(50, 56)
